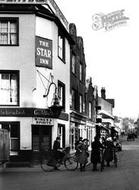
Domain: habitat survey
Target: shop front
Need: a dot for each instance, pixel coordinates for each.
(31, 130)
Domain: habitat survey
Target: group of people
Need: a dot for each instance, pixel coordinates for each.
(106, 145)
(104, 150)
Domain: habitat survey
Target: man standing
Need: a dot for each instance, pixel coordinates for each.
(58, 154)
(95, 152)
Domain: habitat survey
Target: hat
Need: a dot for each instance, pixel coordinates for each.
(57, 138)
(109, 139)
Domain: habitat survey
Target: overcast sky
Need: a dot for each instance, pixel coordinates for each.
(112, 57)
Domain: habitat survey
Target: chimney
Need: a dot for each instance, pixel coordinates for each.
(103, 93)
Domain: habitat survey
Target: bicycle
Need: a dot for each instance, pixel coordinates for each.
(48, 162)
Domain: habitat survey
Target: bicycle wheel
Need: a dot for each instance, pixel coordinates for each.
(71, 163)
(48, 165)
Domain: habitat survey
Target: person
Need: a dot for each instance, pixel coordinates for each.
(108, 153)
(57, 153)
(82, 148)
(77, 143)
(95, 152)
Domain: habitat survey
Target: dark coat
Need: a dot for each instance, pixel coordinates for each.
(95, 152)
(82, 153)
(56, 153)
(108, 153)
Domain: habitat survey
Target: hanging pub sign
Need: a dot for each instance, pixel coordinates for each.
(43, 52)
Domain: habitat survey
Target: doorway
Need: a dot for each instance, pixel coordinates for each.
(41, 140)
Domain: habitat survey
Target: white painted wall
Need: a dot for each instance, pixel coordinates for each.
(22, 57)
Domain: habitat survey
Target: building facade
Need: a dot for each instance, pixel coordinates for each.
(77, 88)
(35, 58)
(105, 113)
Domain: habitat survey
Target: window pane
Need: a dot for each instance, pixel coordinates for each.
(13, 28)
(73, 63)
(8, 32)
(61, 46)
(13, 39)
(14, 130)
(8, 89)
(14, 144)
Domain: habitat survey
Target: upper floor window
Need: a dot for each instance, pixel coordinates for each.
(73, 64)
(90, 110)
(61, 46)
(73, 94)
(81, 72)
(81, 103)
(8, 31)
(9, 87)
(61, 93)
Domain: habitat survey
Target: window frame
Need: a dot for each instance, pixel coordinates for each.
(81, 72)
(73, 97)
(8, 126)
(62, 85)
(18, 82)
(81, 103)
(61, 48)
(73, 66)
(9, 19)
(90, 110)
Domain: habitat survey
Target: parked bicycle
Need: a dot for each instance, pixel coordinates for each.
(49, 162)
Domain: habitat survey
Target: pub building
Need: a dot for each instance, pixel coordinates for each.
(34, 77)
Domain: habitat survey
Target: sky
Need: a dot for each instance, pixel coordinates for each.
(112, 57)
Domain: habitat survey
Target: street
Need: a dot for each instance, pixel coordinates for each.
(124, 177)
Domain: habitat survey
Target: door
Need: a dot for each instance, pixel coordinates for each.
(41, 140)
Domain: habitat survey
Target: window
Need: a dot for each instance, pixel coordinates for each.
(73, 93)
(61, 133)
(73, 64)
(81, 103)
(61, 46)
(81, 72)
(9, 87)
(90, 110)
(61, 93)
(14, 133)
(8, 31)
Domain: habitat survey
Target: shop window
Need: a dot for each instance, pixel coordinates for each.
(9, 87)
(14, 133)
(61, 133)
(61, 46)
(8, 31)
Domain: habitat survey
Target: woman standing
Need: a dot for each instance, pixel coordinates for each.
(83, 149)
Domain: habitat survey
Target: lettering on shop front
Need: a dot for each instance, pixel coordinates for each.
(42, 121)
